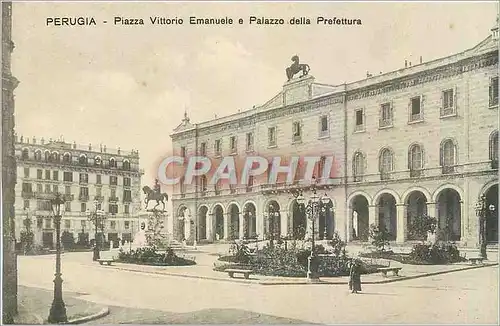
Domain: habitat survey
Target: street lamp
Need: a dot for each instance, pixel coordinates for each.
(273, 214)
(58, 310)
(97, 217)
(312, 208)
(482, 211)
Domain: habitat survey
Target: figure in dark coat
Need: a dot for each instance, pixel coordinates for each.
(355, 276)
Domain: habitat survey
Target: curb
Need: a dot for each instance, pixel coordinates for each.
(104, 312)
(399, 279)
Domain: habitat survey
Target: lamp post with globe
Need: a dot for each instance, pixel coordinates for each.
(482, 211)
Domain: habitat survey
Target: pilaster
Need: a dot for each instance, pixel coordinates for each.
(241, 226)
(400, 223)
(227, 216)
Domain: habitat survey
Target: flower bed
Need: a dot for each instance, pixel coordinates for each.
(150, 256)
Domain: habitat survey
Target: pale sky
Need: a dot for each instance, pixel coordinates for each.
(128, 86)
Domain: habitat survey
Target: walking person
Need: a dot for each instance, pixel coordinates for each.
(355, 276)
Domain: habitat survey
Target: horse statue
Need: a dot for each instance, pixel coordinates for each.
(154, 195)
(297, 67)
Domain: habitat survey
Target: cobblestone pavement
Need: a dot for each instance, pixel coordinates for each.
(461, 297)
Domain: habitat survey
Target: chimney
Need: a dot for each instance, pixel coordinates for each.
(410, 63)
(90, 147)
(42, 140)
(34, 140)
(420, 59)
(406, 63)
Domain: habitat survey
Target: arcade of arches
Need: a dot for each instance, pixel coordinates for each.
(396, 214)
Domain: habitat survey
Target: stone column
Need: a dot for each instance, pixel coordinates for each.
(284, 223)
(401, 223)
(432, 210)
(226, 225)
(463, 222)
(241, 225)
(372, 215)
(209, 230)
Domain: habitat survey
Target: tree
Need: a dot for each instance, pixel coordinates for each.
(380, 237)
(67, 240)
(421, 226)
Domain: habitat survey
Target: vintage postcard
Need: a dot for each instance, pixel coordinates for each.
(250, 162)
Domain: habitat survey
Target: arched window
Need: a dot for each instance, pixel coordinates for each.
(415, 160)
(55, 157)
(126, 165)
(112, 163)
(358, 166)
(82, 159)
(386, 163)
(97, 160)
(38, 155)
(67, 158)
(25, 154)
(47, 156)
(448, 156)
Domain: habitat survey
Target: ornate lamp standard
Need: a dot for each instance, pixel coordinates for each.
(312, 208)
(97, 217)
(58, 310)
(482, 212)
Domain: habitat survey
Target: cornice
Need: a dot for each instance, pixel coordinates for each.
(78, 168)
(427, 76)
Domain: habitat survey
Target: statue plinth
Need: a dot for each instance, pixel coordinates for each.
(298, 81)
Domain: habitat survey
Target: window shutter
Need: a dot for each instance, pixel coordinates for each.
(422, 100)
(409, 110)
(441, 105)
(491, 91)
(455, 104)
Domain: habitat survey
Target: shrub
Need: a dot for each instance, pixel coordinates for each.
(150, 256)
(380, 237)
(439, 253)
(240, 253)
(27, 242)
(67, 240)
(421, 226)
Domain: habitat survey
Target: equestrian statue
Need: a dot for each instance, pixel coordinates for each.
(297, 67)
(155, 194)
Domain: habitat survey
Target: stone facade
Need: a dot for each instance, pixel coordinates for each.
(420, 140)
(86, 176)
(9, 83)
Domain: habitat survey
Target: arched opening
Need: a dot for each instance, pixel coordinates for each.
(55, 157)
(82, 160)
(273, 220)
(492, 219)
(67, 158)
(234, 222)
(219, 222)
(299, 221)
(126, 165)
(360, 222)
(25, 154)
(97, 161)
(416, 205)
(38, 155)
(47, 156)
(202, 223)
(250, 221)
(449, 215)
(387, 215)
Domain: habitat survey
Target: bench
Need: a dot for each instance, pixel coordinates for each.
(105, 261)
(394, 270)
(246, 272)
(476, 260)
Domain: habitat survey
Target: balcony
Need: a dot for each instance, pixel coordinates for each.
(83, 197)
(415, 117)
(416, 173)
(27, 194)
(385, 175)
(99, 198)
(84, 181)
(127, 200)
(494, 164)
(383, 123)
(68, 197)
(113, 199)
(448, 169)
(44, 195)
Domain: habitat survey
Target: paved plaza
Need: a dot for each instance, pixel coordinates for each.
(469, 296)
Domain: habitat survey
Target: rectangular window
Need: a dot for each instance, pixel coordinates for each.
(249, 138)
(416, 109)
(26, 172)
(67, 206)
(67, 224)
(127, 196)
(47, 189)
(83, 207)
(27, 188)
(113, 209)
(55, 189)
(55, 175)
(84, 193)
(68, 176)
(47, 174)
(359, 120)
(126, 208)
(323, 126)
(203, 149)
(26, 204)
(271, 136)
(127, 225)
(385, 115)
(112, 224)
(98, 191)
(67, 190)
(296, 131)
(126, 182)
(183, 151)
(448, 103)
(39, 174)
(84, 178)
(48, 223)
(233, 144)
(39, 187)
(218, 147)
(493, 91)
(98, 179)
(113, 180)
